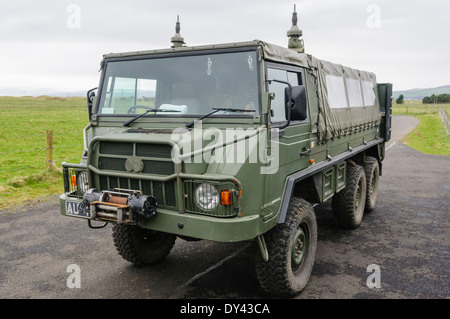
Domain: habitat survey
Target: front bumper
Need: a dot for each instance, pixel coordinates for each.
(186, 224)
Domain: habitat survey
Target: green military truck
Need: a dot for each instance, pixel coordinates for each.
(229, 142)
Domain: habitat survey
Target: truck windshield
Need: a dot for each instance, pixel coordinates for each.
(182, 85)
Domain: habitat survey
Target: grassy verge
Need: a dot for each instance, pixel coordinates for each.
(429, 136)
(23, 125)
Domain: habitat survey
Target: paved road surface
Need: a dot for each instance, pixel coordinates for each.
(406, 236)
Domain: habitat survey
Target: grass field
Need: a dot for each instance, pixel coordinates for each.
(23, 126)
(24, 122)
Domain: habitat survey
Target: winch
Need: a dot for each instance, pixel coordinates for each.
(119, 205)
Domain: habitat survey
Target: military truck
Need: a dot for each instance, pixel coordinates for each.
(229, 143)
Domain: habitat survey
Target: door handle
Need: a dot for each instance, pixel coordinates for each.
(305, 152)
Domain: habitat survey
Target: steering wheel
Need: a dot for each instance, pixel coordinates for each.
(132, 110)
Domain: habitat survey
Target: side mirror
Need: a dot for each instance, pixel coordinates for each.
(295, 98)
(90, 99)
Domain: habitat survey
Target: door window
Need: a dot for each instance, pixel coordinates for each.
(278, 103)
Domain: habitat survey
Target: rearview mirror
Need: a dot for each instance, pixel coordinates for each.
(295, 102)
(295, 98)
(90, 99)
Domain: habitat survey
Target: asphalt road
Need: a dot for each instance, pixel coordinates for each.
(406, 236)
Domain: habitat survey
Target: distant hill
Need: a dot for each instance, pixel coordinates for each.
(419, 94)
(38, 92)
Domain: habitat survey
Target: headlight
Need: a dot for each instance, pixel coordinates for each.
(206, 196)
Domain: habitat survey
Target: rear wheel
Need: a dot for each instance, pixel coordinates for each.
(348, 205)
(142, 246)
(372, 171)
(292, 249)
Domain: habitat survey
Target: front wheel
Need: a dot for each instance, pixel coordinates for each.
(292, 250)
(142, 246)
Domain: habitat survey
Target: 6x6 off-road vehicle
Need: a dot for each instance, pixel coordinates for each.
(229, 142)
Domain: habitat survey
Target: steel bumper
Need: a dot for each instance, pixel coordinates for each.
(233, 229)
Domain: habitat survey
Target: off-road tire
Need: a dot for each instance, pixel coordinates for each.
(372, 171)
(292, 250)
(142, 246)
(348, 205)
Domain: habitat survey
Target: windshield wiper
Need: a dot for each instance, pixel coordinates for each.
(145, 113)
(217, 109)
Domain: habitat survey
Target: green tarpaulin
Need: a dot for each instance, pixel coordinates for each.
(347, 97)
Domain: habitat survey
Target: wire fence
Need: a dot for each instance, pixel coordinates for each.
(37, 152)
(444, 117)
(415, 109)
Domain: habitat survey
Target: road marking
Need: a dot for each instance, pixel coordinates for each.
(390, 146)
(217, 265)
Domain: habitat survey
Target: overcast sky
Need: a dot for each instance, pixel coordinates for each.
(59, 44)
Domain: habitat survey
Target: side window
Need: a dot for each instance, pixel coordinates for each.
(278, 104)
(359, 93)
(354, 92)
(337, 97)
(370, 99)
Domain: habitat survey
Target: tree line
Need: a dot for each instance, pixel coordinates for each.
(438, 99)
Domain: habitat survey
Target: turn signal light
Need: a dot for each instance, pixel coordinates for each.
(226, 198)
(73, 180)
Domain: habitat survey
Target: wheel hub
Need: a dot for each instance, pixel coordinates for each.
(299, 246)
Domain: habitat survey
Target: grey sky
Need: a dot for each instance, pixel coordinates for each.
(48, 44)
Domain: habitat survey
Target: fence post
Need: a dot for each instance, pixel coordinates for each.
(49, 149)
(445, 120)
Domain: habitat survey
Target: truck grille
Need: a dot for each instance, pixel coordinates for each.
(164, 192)
(156, 159)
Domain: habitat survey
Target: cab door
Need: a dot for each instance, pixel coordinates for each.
(292, 143)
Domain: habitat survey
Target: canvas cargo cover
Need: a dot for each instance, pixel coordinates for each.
(348, 98)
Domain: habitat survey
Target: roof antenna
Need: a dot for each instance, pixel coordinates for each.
(294, 34)
(177, 40)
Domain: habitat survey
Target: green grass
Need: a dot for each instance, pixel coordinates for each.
(23, 126)
(429, 136)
